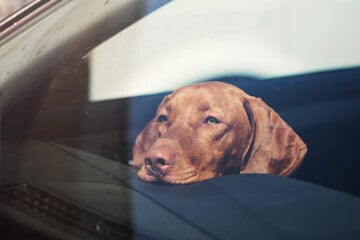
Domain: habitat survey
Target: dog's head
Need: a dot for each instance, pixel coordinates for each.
(210, 129)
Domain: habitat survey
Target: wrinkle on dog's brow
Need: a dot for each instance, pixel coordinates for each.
(168, 108)
(203, 108)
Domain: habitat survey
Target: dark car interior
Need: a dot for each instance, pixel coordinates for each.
(65, 170)
(82, 151)
(321, 107)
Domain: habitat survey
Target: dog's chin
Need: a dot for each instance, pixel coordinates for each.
(173, 179)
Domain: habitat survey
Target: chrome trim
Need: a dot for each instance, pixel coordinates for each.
(23, 16)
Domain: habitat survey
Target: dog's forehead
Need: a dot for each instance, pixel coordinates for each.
(204, 95)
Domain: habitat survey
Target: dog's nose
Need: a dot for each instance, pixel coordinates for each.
(160, 158)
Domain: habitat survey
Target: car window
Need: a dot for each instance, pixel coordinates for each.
(77, 87)
(81, 79)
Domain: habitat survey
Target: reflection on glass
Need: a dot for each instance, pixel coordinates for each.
(9, 7)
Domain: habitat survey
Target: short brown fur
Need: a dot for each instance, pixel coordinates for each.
(211, 129)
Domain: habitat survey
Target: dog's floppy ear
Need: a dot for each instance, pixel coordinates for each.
(143, 142)
(275, 147)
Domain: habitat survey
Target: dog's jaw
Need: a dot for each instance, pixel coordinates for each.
(186, 177)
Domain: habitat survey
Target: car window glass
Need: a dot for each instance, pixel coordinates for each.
(8, 8)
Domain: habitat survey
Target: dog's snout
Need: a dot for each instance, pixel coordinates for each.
(160, 158)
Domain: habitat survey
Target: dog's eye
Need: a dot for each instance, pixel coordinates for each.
(162, 119)
(211, 120)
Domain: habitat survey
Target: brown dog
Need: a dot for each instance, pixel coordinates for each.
(211, 129)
